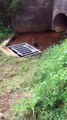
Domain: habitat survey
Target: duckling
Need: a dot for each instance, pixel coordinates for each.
(35, 44)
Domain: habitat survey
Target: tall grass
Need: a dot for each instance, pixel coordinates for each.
(48, 100)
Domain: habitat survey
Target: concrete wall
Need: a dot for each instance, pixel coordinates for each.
(35, 16)
(60, 6)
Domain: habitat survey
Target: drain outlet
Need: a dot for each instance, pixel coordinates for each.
(24, 50)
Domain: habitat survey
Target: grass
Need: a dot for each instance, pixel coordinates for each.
(41, 83)
(5, 32)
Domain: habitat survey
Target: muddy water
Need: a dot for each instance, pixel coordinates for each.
(43, 40)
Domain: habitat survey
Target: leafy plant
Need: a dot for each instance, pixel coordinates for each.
(8, 9)
(4, 31)
(15, 6)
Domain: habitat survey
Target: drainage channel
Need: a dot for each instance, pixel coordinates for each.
(24, 50)
(31, 44)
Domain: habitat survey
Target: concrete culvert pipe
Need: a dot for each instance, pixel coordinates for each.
(60, 22)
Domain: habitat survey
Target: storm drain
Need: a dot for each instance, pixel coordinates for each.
(24, 50)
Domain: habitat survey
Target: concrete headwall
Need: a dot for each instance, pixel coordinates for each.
(35, 16)
(60, 6)
(59, 15)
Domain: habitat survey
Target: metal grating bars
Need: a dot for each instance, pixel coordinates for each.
(24, 50)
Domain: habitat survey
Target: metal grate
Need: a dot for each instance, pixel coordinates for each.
(24, 50)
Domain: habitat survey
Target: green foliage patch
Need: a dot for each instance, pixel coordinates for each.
(48, 100)
(11, 7)
(4, 31)
(15, 6)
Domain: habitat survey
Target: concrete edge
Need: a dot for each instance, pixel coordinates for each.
(7, 41)
(7, 51)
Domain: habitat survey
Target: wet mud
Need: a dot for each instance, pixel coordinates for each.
(41, 40)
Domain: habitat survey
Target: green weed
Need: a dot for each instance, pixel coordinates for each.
(44, 78)
(49, 88)
(5, 32)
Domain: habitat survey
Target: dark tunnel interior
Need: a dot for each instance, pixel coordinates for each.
(60, 22)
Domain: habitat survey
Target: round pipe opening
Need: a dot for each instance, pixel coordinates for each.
(60, 22)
